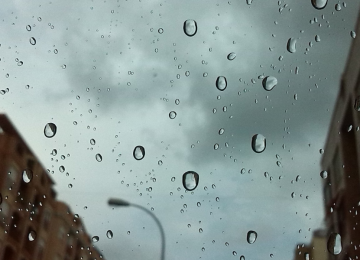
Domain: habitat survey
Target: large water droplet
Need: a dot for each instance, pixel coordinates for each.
(231, 56)
(269, 83)
(319, 4)
(172, 114)
(98, 157)
(139, 152)
(258, 143)
(323, 174)
(334, 244)
(50, 130)
(249, 2)
(242, 257)
(95, 239)
(221, 83)
(190, 27)
(251, 237)
(32, 235)
(109, 234)
(190, 180)
(32, 41)
(291, 45)
(27, 175)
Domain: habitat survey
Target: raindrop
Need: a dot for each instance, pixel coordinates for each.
(27, 175)
(249, 2)
(139, 152)
(173, 179)
(160, 162)
(92, 141)
(298, 178)
(357, 104)
(221, 131)
(258, 143)
(50, 130)
(231, 56)
(95, 239)
(161, 30)
(56, 51)
(109, 234)
(291, 45)
(61, 168)
(190, 27)
(32, 235)
(353, 34)
(334, 244)
(28, 27)
(306, 256)
(319, 4)
(98, 157)
(172, 114)
(190, 180)
(198, 204)
(177, 101)
(216, 146)
(338, 7)
(269, 83)
(323, 174)
(266, 174)
(32, 41)
(221, 83)
(242, 257)
(251, 237)
(317, 38)
(234, 253)
(54, 152)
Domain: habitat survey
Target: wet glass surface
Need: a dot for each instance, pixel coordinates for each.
(238, 95)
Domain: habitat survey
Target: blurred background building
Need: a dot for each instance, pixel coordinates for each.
(341, 176)
(33, 225)
(341, 186)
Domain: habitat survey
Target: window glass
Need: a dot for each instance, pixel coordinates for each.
(212, 116)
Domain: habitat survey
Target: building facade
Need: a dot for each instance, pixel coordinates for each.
(341, 161)
(33, 224)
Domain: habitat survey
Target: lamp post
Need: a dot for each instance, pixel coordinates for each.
(123, 203)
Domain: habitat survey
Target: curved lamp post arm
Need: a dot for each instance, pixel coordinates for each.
(159, 225)
(124, 203)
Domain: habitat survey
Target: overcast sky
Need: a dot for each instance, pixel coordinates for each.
(103, 70)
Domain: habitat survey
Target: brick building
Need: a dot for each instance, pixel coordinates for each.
(341, 160)
(33, 225)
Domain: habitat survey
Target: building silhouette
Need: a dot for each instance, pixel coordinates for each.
(33, 224)
(341, 160)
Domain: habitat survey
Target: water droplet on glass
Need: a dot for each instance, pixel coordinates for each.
(298, 178)
(172, 114)
(258, 143)
(98, 157)
(234, 253)
(323, 174)
(139, 152)
(50, 130)
(177, 101)
(216, 146)
(221, 83)
(109, 234)
(269, 83)
(200, 230)
(198, 204)
(28, 27)
(353, 34)
(32, 41)
(92, 141)
(61, 168)
(32, 235)
(54, 152)
(266, 174)
(334, 244)
(251, 237)
(317, 38)
(249, 2)
(190, 180)
(161, 30)
(231, 56)
(338, 7)
(95, 239)
(319, 4)
(357, 104)
(190, 27)
(242, 257)
(173, 179)
(306, 256)
(291, 45)
(221, 131)
(27, 175)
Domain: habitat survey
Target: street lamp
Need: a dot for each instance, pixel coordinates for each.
(123, 203)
